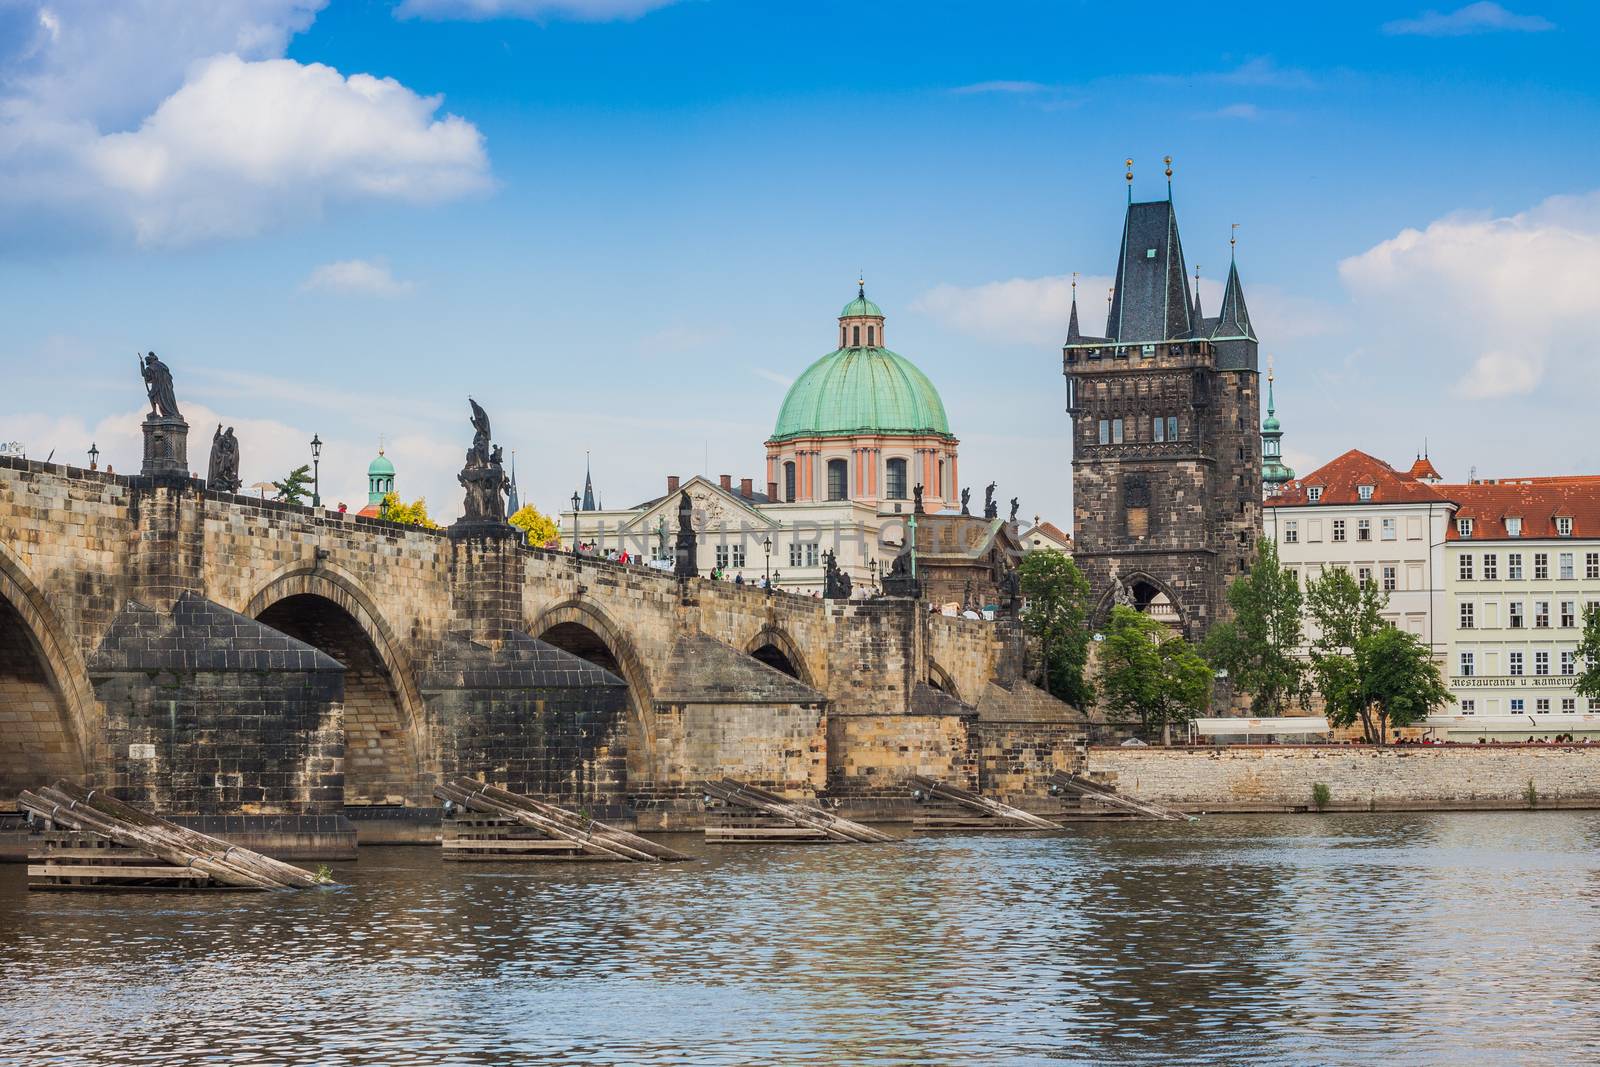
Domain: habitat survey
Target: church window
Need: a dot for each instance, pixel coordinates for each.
(1116, 431)
(788, 482)
(855, 336)
(896, 479)
(838, 479)
(872, 335)
(1172, 427)
(1105, 431)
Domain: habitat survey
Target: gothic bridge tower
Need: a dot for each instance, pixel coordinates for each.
(1166, 465)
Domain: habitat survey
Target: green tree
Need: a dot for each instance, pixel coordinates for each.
(1151, 675)
(538, 527)
(1588, 684)
(413, 514)
(295, 486)
(1367, 670)
(1057, 616)
(1259, 646)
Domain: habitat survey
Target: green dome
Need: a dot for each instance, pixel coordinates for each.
(380, 466)
(861, 390)
(861, 306)
(1270, 423)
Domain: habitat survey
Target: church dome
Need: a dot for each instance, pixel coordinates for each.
(861, 307)
(380, 466)
(861, 391)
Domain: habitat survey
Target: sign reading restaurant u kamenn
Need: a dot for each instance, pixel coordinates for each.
(1518, 681)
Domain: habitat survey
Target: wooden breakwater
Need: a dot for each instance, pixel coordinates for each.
(750, 814)
(86, 839)
(484, 822)
(941, 806)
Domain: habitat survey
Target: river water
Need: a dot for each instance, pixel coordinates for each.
(1395, 939)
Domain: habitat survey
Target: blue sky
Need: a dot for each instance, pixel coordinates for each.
(623, 225)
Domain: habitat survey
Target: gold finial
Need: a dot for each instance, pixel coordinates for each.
(861, 283)
(380, 444)
(1168, 161)
(1233, 235)
(1109, 294)
(1074, 285)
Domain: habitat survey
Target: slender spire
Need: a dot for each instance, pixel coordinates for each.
(588, 485)
(1197, 315)
(513, 505)
(1233, 318)
(1073, 334)
(1271, 408)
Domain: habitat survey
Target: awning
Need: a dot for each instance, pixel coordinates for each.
(1511, 724)
(1281, 724)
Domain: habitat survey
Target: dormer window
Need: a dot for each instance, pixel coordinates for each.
(1364, 492)
(1563, 526)
(1513, 526)
(1464, 527)
(1314, 493)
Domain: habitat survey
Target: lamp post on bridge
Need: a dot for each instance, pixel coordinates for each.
(576, 501)
(316, 471)
(94, 457)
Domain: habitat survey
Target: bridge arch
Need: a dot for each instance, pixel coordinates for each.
(40, 671)
(1151, 595)
(940, 679)
(386, 743)
(774, 646)
(588, 632)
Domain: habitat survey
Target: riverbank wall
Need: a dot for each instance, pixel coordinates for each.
(1267, 778)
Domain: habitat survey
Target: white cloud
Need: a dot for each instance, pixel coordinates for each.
(1000, 87)
(365, 277)
(1248, 112)
(238, 140)
(1481, 17)
(1512, 295)
(482, 10)
(1263, 71)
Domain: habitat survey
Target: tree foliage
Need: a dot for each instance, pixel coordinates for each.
(295, 486)
(1367, 670)
(1259, 646)
(1588, 684)
(539, 528)
(1149, 674)
(413, 514)
(1057, 616)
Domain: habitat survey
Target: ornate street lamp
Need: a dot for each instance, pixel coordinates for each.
(316, 471)
(94, 457)
(575, 502)
(766, 543)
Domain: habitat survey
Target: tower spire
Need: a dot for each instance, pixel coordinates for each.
(1274, 474)
(588, 484)
(1073, 334)
(1197, 315)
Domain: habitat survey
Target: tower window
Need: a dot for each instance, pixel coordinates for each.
(855, 337)
(788, 482)
(838, 479)
(1172, 427)
(872, 335)
(895, 481)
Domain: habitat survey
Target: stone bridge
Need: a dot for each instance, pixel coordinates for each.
(205, 653)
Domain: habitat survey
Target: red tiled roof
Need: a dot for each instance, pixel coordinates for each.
(1339, 481)
(1050, 529)
(1424, 468)
(1538, 502)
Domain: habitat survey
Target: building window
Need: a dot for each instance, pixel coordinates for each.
(1541, 566)
(1591, 565)
(1569, 613)
(1491, 567)
(1364, 576)
(855, 337)
(788, 482)
(1338, 529)
(1464, 527)
(1514, 566)
(811, 554)
(871, 336)
(1513, 526)
(1363, 529)
(737, 553)
(1517, 704)
(1314, 493)
(1514, 664)
(1172, 427)
(796, 554)
(1564, 568)
(1364, 492)
(1466, 665)
(722, 557)
(1388, 530)
(1291, 532)
(1569, 705)
(838, 479)
(1466, 616)
(1542, 705)
(895, 481)
(1569, 662)
(1464, 567)
(1563, 526)
(1105, 431)
(1469, 707)
(1158, 429)
(1541, 614)
(1116, 431)
(1515, 614)
(1389, 578)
